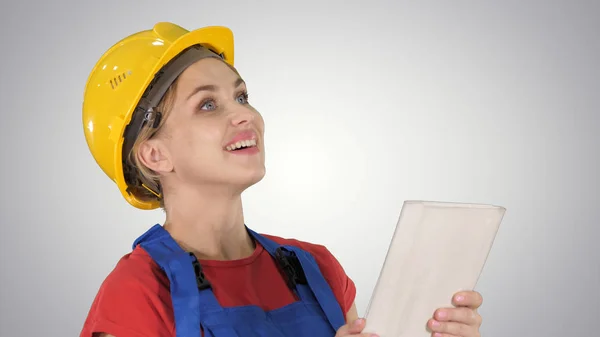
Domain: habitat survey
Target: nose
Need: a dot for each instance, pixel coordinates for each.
(242, 115)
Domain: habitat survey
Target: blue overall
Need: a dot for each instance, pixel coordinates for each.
(316, 313)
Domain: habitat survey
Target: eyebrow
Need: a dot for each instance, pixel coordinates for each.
(211, 87)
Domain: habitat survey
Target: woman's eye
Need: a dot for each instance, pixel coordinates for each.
(243, 98)
(209, 105)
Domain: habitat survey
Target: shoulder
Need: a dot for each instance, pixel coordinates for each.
(341, 284)
(325, 259)
(116, 309)
(313, 248)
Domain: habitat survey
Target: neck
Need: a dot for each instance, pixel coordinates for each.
(208, 223)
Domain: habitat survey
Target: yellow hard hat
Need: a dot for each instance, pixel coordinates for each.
(128, 82)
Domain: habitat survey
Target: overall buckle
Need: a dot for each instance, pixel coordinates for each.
(201, 280)
(290, 264)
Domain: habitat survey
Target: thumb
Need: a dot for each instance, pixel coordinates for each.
(352, 328)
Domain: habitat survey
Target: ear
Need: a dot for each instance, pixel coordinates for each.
(154, 155)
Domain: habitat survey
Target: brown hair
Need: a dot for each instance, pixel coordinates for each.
(146, 176)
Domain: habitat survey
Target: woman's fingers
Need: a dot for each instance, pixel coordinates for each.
(354, 329)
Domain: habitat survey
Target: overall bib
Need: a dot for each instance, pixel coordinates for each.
(316, 313)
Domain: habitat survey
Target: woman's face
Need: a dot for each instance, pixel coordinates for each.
(200, 139)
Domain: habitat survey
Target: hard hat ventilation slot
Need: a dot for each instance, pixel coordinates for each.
(114, 82)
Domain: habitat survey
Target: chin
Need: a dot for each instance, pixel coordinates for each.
(257, 176)
(249, 178)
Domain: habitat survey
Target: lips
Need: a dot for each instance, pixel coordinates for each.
(242, 140)
(241, 145)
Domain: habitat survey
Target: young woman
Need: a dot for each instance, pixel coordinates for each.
(167, 117)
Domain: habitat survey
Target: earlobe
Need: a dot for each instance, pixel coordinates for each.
(153, 155)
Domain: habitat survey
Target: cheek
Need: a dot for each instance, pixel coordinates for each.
(190, 141)
(259, 122)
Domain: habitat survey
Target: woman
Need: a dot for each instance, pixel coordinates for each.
(167, 117)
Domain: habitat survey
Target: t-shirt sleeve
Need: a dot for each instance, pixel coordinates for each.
(130, 303)
(341, 284)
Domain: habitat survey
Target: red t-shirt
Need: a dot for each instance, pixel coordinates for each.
(134, 300)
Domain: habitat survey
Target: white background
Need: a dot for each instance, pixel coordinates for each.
(366, 104)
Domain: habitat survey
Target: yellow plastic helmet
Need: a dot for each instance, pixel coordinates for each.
(128, 82)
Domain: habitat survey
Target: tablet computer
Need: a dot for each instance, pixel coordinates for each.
(437, 249)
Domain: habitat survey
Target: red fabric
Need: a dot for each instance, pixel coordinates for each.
(134, 299)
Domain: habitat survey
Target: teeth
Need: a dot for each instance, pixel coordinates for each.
(242, 143)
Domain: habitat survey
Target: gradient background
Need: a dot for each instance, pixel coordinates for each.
(367, 104)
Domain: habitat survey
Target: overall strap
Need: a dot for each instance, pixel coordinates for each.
(319, 286)
(187, 282)
(301, 268)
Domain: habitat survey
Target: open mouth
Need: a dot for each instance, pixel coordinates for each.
(243, 144)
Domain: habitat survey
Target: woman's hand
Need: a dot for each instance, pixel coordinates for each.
(461, 321)
(354, 329)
